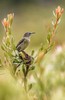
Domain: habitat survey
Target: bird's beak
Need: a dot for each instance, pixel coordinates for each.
(33, 33)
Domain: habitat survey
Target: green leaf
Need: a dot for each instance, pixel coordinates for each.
(41, 48)
(2, 47)
(52, 44)
(23, 68)
(32, 53)
(48, 37)
(29, 87)
(54, 14)
(32, 68)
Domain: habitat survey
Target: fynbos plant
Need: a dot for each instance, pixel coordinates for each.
(21, 63)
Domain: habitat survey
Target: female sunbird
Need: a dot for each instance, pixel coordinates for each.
(24, 42)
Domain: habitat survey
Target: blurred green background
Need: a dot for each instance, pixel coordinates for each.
(34, 16)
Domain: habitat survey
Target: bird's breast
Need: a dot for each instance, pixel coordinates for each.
(25, 44)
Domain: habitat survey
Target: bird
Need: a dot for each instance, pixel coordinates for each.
(24, 42)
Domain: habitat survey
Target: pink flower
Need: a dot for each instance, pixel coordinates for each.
(59, 11)
(5, 23)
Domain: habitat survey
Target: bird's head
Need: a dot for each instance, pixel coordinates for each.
(28, 34)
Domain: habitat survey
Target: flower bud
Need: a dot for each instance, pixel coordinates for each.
(10, 18)
(5, 23)
(59, 12)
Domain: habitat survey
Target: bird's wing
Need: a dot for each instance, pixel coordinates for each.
(21, 41)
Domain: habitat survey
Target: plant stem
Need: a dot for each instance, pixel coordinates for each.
(25, 78)
(25, 83)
